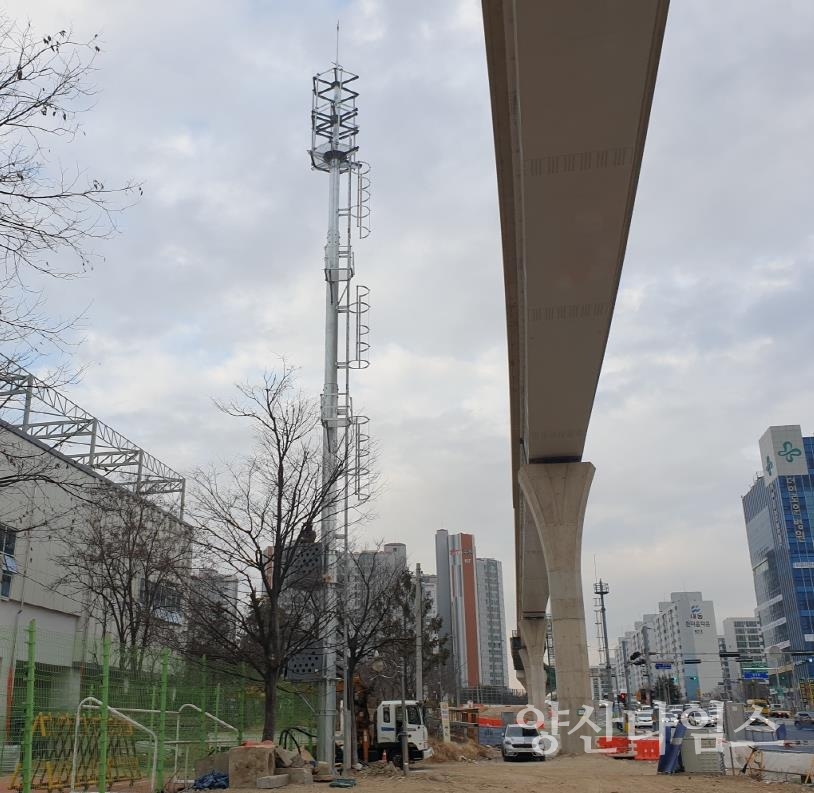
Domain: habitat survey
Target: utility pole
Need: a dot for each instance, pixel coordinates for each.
(419, 637)
(646, 642)
(344, 443)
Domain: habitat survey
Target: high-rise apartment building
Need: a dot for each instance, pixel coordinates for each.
(683, 630)
(494, 669)
(779, 512)
(464, 607)
(470, 604)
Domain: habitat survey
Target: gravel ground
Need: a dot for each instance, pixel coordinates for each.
(564, 775)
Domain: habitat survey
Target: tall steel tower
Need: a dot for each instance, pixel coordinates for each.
(345, 438)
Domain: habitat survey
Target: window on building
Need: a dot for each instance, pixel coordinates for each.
(8, 564)
(163, 599)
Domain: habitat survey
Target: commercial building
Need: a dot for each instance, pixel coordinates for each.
(779, 510)
(679, 641)
(492, 624)
(597, 682)
(743, 635)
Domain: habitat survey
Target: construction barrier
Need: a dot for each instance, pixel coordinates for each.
(53, 753)
(647, 749)
(620, 744)
(142, 714)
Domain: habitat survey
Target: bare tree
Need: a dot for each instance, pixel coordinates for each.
(401, 630)
(369, 609)
(131, 560)
(256, 520)
(49, 214)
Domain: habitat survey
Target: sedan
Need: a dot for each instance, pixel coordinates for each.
(803, 718)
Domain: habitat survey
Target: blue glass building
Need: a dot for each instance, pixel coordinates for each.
(779, 514)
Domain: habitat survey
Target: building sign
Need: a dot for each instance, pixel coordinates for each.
(445, 721)
(696, 620)
(782, 452)
(796, 512)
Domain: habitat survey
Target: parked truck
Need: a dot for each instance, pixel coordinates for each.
(388, 727)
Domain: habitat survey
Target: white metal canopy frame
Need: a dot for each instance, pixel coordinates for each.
(40, 412)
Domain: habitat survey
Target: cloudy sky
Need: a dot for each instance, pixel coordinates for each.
(218, 270)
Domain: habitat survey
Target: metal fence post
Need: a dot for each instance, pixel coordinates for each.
(28, 730)
(241, 724)
(103, 716)
(162, 720)
(203, 707)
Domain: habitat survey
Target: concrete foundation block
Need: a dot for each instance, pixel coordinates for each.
(300, 776)
(270, 782)
(283, 757)
(214, 762)
(248, 763)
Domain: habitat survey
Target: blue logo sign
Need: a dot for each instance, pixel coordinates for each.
(769, 465)
(695, 613)
(788, 452)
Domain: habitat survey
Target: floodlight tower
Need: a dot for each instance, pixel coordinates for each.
(344, 439)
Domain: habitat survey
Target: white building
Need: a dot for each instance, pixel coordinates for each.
(744, 636)
(58, 467)
(429, 587)
(492, 640)
(679, 641)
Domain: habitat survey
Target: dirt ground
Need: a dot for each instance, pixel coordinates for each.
(590, 774)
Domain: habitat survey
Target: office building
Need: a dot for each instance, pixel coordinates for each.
(494, 669)
(743, 635)
(778, 510)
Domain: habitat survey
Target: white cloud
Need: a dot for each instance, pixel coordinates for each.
(218, 270)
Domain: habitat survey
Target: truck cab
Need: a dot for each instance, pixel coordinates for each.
(389, 725)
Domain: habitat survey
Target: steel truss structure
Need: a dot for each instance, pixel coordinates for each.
(39, 411)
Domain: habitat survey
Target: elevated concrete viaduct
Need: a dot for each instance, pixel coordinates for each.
(571, 85)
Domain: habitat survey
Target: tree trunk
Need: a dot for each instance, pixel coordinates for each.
(270, 712)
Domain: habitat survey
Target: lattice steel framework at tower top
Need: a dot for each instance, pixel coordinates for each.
(39, 411)
(334, 151)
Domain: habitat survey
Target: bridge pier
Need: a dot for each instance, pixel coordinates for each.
(556, 495)
(533, 634)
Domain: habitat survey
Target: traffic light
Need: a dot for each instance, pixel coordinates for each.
(622, 697)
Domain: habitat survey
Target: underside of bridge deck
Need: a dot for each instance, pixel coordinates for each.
(571, 83)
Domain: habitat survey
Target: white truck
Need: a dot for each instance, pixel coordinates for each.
(388, 728)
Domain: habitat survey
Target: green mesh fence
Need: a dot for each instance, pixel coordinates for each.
(85, 714)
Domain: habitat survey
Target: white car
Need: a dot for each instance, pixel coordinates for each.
(522, 741)
(643, 719)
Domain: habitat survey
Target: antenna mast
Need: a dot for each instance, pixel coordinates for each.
(345, 440)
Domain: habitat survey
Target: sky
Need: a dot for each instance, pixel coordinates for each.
(217, 271)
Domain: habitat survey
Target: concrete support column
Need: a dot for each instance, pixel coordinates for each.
(533, 633)
(556, 495)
